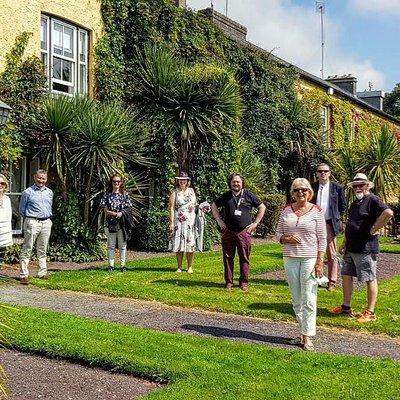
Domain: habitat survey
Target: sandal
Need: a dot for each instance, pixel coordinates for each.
(308, 346)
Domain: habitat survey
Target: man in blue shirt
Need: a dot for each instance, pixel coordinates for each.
(35, 207)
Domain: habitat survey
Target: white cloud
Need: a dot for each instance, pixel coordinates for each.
(389, 8)
(292, 32)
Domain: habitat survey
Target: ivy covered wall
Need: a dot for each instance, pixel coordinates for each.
(267, 88)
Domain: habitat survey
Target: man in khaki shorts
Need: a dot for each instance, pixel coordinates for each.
(367, 215)
(35, 207)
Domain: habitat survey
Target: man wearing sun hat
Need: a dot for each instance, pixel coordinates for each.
(367, 215)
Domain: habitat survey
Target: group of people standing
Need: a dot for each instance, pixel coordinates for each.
(307, 229)
(36, 210)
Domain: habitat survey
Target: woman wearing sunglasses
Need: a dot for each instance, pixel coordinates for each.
(5, 218)
(302, 231)
(113, 203)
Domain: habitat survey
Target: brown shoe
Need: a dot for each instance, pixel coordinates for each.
(366, 316)
(24, 281)
(340, 310)
(45, 277)
(331, 286)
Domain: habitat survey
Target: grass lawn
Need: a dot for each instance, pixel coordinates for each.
(200, 368)
(156, 279)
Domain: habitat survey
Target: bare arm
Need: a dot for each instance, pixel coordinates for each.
(260, 214)
(381, 221)
(217, 216)
(171, 207)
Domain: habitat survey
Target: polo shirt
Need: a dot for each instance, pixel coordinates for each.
(362, 215)
(244, 203)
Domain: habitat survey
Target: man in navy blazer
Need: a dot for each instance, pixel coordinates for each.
(330, 197)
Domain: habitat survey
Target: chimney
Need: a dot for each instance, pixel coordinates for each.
(372, 97)
(180, 3)
(345, 82)
(230, 27)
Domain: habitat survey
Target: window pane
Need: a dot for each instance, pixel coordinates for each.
(83, 79)
(56, 68)
(16, 218)
(57, 38)
(82, 46)
(63, 88)
(17, 184)
(43, 34)
(67, 72)
(68, 42)
(44, 61)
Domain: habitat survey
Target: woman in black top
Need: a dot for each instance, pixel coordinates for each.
(112, 203)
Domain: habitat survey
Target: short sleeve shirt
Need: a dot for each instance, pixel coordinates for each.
(232, 206)
(362, 215)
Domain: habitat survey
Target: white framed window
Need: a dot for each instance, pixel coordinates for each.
(64, 53)
(21, 177)
(325, 126)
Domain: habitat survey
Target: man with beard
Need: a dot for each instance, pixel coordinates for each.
(367, 215)
(236, 227)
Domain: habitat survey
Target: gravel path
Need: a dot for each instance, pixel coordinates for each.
(64, 380)
(175, 319)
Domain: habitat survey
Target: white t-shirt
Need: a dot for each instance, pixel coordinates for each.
(5, 222)
(323, 199)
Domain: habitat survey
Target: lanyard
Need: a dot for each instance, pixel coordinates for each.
(239, 201)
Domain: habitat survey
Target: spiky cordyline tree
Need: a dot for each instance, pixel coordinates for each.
(195, 99)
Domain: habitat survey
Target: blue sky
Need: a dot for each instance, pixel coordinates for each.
(361, 36)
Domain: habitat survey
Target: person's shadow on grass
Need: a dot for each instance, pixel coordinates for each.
(189, 283)
(236, 334)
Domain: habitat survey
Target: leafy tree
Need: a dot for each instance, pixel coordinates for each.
(195, 99)
(104, 139)
(391, 102)
(382, 163)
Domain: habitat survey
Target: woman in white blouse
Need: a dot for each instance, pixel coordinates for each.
(5, 217)
(302, 231)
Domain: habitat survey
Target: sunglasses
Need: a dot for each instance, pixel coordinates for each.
(323, 171)
(116, 181)
(300, 190)
(3, 184)
(359, 185)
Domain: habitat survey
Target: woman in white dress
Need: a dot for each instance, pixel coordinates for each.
(182, 207)
(5, 218)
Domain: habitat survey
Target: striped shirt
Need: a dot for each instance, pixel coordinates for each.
(310, 228)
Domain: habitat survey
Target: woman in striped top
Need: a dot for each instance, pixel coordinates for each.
(302, 231)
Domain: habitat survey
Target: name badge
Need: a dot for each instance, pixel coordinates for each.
(238, 213)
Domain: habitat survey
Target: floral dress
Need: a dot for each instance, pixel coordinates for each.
(184, 236)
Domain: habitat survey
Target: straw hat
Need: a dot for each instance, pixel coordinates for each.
(361, 178)
(183, 176)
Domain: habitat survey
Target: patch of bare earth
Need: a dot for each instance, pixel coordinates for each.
(33, 377)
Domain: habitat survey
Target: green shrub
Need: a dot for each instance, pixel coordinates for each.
(71, 239)
(153, 233)
(274, 204)
(395, 223)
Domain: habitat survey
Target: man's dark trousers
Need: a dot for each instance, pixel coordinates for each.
(241, 241)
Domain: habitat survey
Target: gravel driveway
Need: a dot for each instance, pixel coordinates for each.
(64, 380)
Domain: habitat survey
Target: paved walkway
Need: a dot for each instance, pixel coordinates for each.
(175, 319)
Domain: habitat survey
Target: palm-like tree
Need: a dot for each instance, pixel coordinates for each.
(382, 162)
(195, 99)
(105, 138)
